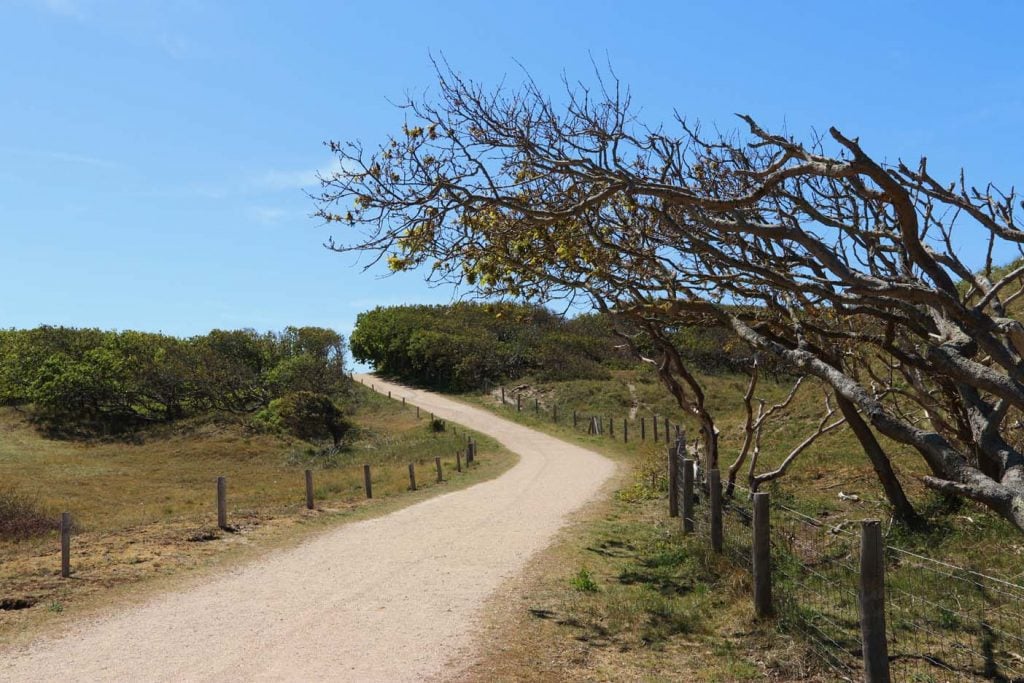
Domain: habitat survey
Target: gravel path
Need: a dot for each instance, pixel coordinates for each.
(389, 599)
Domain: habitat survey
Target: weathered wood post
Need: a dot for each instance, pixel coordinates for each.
(367, 482)
(403, 401)
(536, 406)
(309, 489)
(715, 505)
(65, 544)
(673, 483)
(458, 461)
(389, 394)
(872, 603)
(412, 477)
(437, 465)
(643, 429)
(417, 412)
(762, 556)
(222, 502)
(503, 396)
(625, 430)
(519, 403)
(687, 495)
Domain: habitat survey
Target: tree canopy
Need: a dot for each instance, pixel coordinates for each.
(814, 253)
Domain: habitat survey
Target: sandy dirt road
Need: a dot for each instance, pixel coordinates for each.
(390, 599)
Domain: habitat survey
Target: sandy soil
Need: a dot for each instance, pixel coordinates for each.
(389, 599)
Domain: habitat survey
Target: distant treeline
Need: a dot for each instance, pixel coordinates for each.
(466, 346)
(89, 381)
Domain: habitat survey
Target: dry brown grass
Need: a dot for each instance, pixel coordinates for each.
(146, 510)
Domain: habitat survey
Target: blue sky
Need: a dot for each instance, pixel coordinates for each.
(153, 155)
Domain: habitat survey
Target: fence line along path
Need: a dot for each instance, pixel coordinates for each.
(389, 599)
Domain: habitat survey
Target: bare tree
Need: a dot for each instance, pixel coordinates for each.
(843, 268)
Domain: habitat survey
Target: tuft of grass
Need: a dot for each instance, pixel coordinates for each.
(21, 517)
(583, 581)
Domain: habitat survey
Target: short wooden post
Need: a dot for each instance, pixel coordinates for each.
(417, 412)
(673, 483)
(536, 406)
(643, 429)
(503, 396)
(65, 544)
(654, 421)
(872, 603)
(687, 495)
(437, 466)
(373, 387)
(403, 401)
(309, 489)
(431, 417)
(412, 477)
(222, 502)
(458, 461)
(367, 482)
(715, 505)
(625, 430)
(389, 394)
(611, 427)
(519, 403)
(762, 556)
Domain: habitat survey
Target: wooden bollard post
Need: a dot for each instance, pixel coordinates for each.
(437, 465)
(373, 387)
(715, 503)
(687, 495)
(412, 477)
(761, 556)
(503, 396)
(417, 412)
(309, 489)
(872, 603)
(367, 482)
(65, 544)
(655, 422)
(458, 461)
(625, 430)
(431, 418)
(403, 401)
(643, 429)
(222, 503)
(673, 483)
(389, 394)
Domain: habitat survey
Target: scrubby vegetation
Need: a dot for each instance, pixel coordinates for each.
(88, 382)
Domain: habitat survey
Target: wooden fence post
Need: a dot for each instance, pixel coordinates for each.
(762, 556)
(65, 544)
(673, 483)
(367, 482)
(389, 394)
(503, 396)
(458, 461)
(437, 465)
(309, 489)
(412, 477)
(417, 412)
(643, 429)
(625, 430)
(222, 503)
(536, 406)
(872, 603)
(403, 401)
(687, 495)
(611, 427)
(715, 505)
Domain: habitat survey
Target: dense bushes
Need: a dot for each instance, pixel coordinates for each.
(87, 381)
(463, 346)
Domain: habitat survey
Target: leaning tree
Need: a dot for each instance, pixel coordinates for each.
(815, 254)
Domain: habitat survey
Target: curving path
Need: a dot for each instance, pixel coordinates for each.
(389, 599)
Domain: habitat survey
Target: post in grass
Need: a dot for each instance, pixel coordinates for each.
(222, 503)
(412, 477)
(437, 465)
(458, 461)
(309, 489)
(367, 482)
(65, 544)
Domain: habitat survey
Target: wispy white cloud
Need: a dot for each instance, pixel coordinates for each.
(302, 179)
(73, 9)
